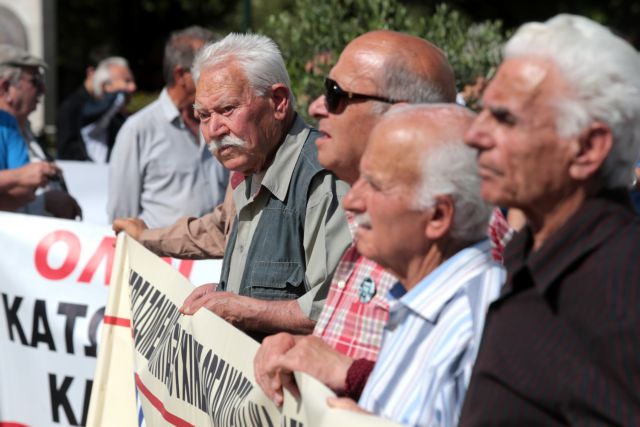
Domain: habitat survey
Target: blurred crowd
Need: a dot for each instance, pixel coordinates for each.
(430, 264)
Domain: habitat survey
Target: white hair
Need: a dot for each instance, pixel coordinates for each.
(449, 168)
(10, 73)
(102, 75)
(258, 56)
(603, 74)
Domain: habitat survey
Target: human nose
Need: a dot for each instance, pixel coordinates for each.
(478, 135)
(318, 109)
(354, 200)
(214, 127)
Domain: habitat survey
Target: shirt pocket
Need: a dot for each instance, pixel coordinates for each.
(272, 280)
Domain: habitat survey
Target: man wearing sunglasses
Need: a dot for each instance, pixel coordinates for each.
(374, 71)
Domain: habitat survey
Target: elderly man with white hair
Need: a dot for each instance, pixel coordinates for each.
(558, 138)
(420, 215)
(289, 231)
(101, 118)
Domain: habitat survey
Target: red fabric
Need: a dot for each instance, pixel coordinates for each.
(236, 178)
(357, 377)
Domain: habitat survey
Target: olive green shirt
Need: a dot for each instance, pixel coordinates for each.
(326, 233)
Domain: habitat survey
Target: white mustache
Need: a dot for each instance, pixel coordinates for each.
(362, 220)
(226, 141)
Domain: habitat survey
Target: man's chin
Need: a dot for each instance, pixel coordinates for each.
(364, 248)
(493, 196)
(236, 164)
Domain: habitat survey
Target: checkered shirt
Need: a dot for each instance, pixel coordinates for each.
(355, 328)
(499, 234)
(346, 323)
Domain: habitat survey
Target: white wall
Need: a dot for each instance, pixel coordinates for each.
(30, 14)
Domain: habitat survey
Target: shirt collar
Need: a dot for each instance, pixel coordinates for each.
(591, 225)
(8, 118)
(278, 175)
(430, 296)
(169, 109)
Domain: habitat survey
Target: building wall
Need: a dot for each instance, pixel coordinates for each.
(33, 16)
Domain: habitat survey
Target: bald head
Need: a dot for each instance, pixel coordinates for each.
(380, 67)
(422, 127)
(418, 194)
(423, 144)
(407, 68)
(406, 134)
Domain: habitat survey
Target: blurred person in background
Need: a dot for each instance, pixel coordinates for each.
(160, 169)
(21, 86)
(102, 116)
(68, 139)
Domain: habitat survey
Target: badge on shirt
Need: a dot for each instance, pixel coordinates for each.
(366, 290)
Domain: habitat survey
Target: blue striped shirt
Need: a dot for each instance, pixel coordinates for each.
(432, 339)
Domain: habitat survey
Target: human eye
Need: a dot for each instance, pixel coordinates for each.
(201, 114)
(371, 184)
(227, 110)
(503, 116)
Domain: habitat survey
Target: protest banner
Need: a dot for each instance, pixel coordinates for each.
(187, 370)
(87, 182)
(54, 277)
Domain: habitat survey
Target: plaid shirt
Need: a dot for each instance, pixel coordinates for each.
(499, 233)
(346, 323)
(354, 327)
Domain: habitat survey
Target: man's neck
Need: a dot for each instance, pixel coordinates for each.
(282, 130)
(7, 108)
(421, 266)
(185, 108)
(178, 97)
(546, 220)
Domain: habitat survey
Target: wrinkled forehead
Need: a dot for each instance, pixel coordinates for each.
(524, 81)
(396, 148)
(223, 80)
(359, 67)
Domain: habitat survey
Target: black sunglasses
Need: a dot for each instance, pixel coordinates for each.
(334, 94)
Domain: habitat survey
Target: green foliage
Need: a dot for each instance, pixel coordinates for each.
(313, 33)
(473, 49)
(141, 99)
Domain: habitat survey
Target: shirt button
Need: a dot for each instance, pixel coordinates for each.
(341, 284)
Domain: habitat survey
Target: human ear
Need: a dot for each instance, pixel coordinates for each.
(441, 219)
(279, 98)
(595, 144)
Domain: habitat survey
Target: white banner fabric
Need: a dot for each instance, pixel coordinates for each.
(87, 182)
(54, 277)
(189, 370)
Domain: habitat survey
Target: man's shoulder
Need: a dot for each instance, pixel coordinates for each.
(75, 100)
(613, 232)
(325, 183)
(147, 112)
(622, 247)
(144, 119)
(309, 149)
(8, 121)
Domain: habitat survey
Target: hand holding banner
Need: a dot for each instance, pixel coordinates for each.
(189, 370)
